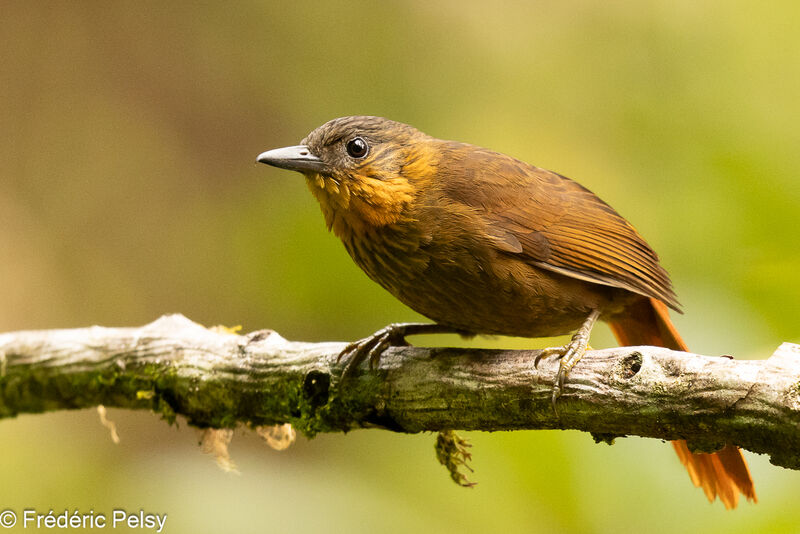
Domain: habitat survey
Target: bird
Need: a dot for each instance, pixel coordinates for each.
(483, 243)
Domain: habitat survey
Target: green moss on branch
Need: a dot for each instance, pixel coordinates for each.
(218, 379)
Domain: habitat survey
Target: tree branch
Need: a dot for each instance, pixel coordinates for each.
(217, 379)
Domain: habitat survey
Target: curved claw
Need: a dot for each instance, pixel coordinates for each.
(568, 356)
(558, 352)
(374, 354)
(371, 347)
(563, 354)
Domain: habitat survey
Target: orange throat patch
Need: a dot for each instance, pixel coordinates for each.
(355, 204)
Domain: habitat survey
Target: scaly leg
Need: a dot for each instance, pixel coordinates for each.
(569, 354)
(392, 335)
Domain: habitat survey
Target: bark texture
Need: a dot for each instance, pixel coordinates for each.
(218, 379)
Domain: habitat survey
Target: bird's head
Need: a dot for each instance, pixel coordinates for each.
(365, 171)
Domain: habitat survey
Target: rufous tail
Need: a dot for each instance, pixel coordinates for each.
(723, 474)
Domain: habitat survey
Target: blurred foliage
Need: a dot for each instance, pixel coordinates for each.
(128, 189)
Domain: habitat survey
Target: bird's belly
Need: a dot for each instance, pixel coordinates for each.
(488, 293)
(541, 305)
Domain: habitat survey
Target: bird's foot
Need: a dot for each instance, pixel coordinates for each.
(393, 335)
(568, 355)
(371, 347)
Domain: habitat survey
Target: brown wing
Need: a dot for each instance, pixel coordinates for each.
(555, 223)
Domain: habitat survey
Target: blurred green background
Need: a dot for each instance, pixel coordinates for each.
(128, 189)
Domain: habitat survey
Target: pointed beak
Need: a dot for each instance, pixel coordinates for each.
(294, 158)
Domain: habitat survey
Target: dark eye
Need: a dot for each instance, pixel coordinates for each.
(357, 148)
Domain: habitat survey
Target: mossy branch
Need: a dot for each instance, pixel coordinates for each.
(218, 379)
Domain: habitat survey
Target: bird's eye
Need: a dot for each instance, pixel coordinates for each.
(357, 148)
